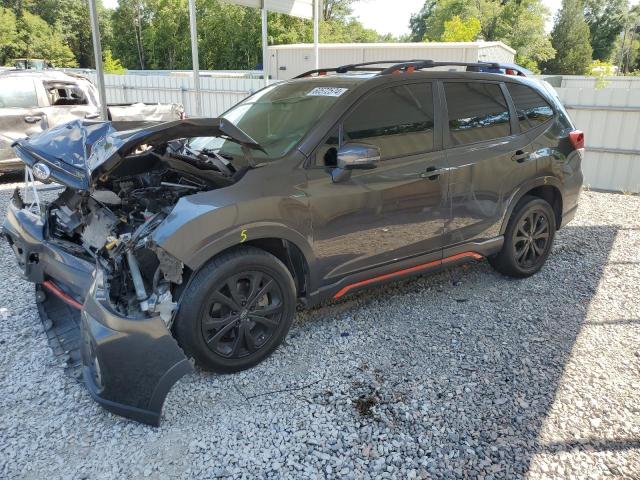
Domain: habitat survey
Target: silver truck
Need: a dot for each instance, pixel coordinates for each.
(32, 101)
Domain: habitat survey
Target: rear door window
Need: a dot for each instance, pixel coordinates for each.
(65, 93)
(532, 109)
(477, 112)
(398, 120)
(17, 93)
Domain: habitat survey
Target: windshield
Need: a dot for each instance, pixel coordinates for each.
(276, 117)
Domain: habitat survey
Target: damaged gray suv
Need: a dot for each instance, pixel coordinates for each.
(196, 239)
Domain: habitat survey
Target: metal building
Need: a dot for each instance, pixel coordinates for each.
(287, 61)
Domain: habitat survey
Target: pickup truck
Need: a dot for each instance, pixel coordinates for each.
(32, 101)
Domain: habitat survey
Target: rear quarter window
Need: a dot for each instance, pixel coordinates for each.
(17, 93)
(65, 93)
(477, 112)
(531, 108)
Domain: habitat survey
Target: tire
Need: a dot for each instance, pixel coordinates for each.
(525, 252)
(216, 329)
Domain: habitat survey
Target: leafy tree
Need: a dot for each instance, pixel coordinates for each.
(570, 38)
(337, 9)
(229, 36)
(458, 30)
(71, 19)
(606, 20)
(518, 23)
(37, 39)
(8, 34)
(128, 21)
(626, 51)
(418, 21)
(112, 65)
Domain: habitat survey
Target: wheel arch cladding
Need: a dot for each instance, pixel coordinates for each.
(551, 194)
(544, 188)
(285, 250)
(291, 255)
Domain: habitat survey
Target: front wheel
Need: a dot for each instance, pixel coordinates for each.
(236, 311)
(527, 239)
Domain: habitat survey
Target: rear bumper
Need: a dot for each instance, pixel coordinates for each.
(128, 364)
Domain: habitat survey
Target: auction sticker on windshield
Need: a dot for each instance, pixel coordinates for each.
(326, 92)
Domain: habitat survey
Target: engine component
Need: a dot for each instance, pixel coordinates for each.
(112, 223)
(170, 266)
(99, 225)
(68, 220)
(138, 282)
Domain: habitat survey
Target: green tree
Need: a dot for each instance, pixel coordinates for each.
(458, 30)
(626, 51)
(518, 23)
(71, 19)
(337, 9)
(155, 33)
(35, 38)
(128, 21)
(418, 21)
(570, 38)
(8, 34)
(606, 20)
(112, 65)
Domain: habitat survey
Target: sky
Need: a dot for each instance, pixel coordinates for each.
(392, 16)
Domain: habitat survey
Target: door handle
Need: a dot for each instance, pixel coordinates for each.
(32, 119)
(521, 156)
(433, 173)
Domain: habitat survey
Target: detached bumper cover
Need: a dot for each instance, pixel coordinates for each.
(128, 365)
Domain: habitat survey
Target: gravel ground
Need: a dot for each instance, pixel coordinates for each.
(465, 374)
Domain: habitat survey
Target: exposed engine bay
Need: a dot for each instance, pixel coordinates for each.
(112, 222)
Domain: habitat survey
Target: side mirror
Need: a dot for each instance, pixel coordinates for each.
(355, 156)
(358, 156)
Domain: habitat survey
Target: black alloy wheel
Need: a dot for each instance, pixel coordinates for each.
(527, 239)
(531, 238)
(242, 314)
(236, 310)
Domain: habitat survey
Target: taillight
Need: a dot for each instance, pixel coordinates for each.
(183, 115)
(577, 139)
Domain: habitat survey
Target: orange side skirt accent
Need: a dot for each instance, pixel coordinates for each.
(417, 268)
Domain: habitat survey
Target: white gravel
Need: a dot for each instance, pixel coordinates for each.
(463, 374)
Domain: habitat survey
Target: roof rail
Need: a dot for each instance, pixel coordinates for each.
(399, 66)
(354, 67)
(420, 64)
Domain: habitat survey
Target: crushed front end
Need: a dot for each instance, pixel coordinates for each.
(106, 290)
(87, 260)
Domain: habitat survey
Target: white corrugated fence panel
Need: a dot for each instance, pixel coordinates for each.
(610, 119)
(218, 94)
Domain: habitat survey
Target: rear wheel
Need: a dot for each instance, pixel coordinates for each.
(527, 239)
(237, 310)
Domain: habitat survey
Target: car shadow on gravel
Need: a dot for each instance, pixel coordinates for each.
(471, 371)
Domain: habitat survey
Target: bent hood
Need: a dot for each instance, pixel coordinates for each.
(78, 152)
